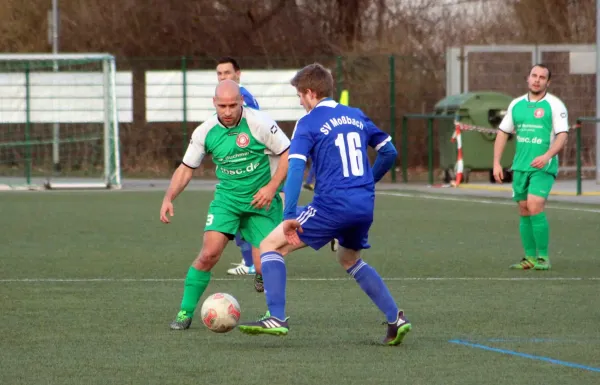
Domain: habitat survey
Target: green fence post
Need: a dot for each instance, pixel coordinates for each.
(404, 149)
(430, 151)
(578, 155)
(393, 109)
(184, 120)
(338, 76)
(28, 160)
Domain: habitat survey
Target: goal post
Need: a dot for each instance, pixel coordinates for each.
(59, 124)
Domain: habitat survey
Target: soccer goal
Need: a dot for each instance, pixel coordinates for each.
(58, 121)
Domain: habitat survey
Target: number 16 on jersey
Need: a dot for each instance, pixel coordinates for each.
(351, 153)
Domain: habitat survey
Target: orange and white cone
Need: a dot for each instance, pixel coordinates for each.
(456, 137)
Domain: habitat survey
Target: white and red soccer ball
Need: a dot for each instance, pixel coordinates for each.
(220, 312)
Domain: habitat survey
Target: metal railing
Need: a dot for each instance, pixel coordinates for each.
(430, 118)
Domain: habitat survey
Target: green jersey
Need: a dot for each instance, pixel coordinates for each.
(535, 124)
(246, 155)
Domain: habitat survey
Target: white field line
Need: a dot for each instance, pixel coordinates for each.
(472, 199)
(404, 279)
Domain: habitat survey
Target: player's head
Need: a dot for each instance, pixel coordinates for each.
(228, 68)
(313, 83)
(228, 102)
(538, 79)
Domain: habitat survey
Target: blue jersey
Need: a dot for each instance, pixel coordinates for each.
(336, 138)
(249, 100)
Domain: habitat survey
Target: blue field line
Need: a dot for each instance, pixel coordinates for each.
(525, 355)
(544, 340)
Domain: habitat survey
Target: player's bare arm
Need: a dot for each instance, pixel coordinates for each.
(499, 144)
(181, 178)
(559, 143)
(264, 196)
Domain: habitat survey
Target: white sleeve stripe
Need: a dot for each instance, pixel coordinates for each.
(388, 139)
(297, 156)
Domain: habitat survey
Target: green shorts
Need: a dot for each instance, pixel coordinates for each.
(228, 216)
(538, 183)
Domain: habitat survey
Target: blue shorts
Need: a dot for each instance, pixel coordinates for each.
(320, 226)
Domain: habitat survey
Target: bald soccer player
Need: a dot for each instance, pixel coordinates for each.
(251, 156)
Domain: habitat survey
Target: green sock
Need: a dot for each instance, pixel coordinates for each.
(196, 282)
(527, 238)
(541, 232)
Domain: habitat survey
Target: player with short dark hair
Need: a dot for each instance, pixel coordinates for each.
(228, 68)
(540, 122)
(336, 138)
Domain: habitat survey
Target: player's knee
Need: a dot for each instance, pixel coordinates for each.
(535, 204)
(535, 208)
(207, 259)
(270, 243)
(523, 209)
(347, 257)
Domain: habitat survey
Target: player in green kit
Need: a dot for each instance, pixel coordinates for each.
(540, 122)
(250, 154)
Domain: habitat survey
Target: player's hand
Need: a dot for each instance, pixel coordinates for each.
(498, 173)
(167, 207)
(540, 161)
(291, 228)
(264, 197)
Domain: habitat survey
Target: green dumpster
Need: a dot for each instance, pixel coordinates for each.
(482, 109)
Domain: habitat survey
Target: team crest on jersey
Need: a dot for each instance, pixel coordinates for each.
(539, 113)
(242, 140)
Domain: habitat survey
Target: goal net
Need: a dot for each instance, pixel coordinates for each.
(58, 121)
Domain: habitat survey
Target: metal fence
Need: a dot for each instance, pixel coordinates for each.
(161, 101)
(383, 86)
(504, 68)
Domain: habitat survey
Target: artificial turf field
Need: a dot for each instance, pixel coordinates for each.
(89, 282)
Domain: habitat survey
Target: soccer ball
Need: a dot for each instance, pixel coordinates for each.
(220, 312)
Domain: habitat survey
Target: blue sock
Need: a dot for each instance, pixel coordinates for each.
(274, 276)
(246, 249)
(372, 284)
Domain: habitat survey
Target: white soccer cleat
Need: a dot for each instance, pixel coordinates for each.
(241, 269)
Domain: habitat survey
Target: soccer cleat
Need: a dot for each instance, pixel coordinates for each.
(334, 244)
(397, 330)
(241, 269)
(266, 325)
(525, 264)
(259, 284)
(542, 264)
(182, 322)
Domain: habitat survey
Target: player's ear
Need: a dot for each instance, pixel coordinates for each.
(215, 102)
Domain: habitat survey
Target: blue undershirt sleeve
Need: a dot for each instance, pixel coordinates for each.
(293, 184)
(384, 161)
